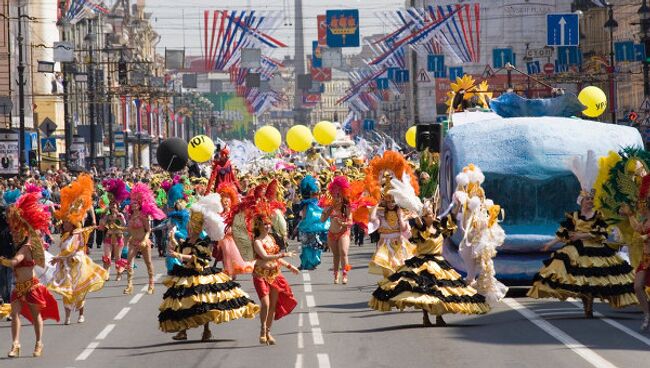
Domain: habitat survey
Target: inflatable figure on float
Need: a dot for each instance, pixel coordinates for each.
(522, 146)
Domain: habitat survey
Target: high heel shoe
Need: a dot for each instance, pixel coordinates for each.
(345, 278)
(129, 282)
(336, 277)
(38, 349)
(15, 351)
(150, 289)
(270, 340)
(263, 339)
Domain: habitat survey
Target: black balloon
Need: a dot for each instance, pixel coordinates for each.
(172, 154)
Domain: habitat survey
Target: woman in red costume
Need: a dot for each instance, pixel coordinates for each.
(340, 215)
(142, 209)
(28, 219)
(272, 288)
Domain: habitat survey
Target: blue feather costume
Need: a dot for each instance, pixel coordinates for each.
(313, 232)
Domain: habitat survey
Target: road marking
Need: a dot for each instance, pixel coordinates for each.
(552, 309)
(317, 336)
(307, 288)
(301, 340)
(313, 319)
(300, 320)
(619, 326)
(122, 313)
(136, 298)
(564, 313)
(311, 303)
(102, 335)
(306, 277)
(587, 354)
(298, 361)
(87, 351)
(323, 360)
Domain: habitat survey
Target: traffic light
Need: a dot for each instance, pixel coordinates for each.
(33, 158)
(123, 73)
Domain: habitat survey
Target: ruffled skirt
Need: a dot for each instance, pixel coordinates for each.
(390, 255)
(312, 248)
(233, 263)
(586, 269)
(195, 298)
(75, 277)
(37, 294)
(264, 280)
(429, 283)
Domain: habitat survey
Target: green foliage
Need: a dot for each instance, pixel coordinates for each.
(429, 163)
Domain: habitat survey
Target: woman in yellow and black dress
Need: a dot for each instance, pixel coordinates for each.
(585, 267)
(197, 293)
(427, 281)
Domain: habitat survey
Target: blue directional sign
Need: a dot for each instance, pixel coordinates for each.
(342, 28)
(456, 72)
(402, 76)
(392, 73)
(440, 74)
(435, 63)
(624, 51)
(568, 55)
(562, 29)
(500, 57)
(533, 67)
(368, 124)
(639, 52)
(48, 145)
(382, 83)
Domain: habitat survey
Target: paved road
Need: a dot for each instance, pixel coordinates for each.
(333, 327)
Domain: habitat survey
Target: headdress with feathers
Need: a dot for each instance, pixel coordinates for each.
(391, 174)
(28, 216)
(308, 186)
(175, 194)
(210, 207)
(586, 170)
(116, 190)
(141, 194)
(228, 190)
(76, 200)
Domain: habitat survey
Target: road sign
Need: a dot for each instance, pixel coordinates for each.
(48, 145)
(382, 83)
(47, 126)
(63, 52)
(456, 72)
(368, 124)
(568, 55)
(500, 57)
(624, 51)
(402, 76)
(533, 67)
(435, 63)
(639, 52)
(549, 68)
(562, 29)
(645, 105)
(342, 28)
(423, 76)
(545, 52)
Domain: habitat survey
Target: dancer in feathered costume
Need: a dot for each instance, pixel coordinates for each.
(141, 210)
(198, 293)
(75, 274)
(226, 250)
(113, 223)
(178, 216)
(427, 281)
(585, 267)
(339, 213)
(393, 185)
(313, 231)
(28, 220)
(272, 288)
(222, 171)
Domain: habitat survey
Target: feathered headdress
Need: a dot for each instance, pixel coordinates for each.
(228, 190)
(33, 188)
(586, 170)
(339, 186)
(175, 194)
(210, 208)
(382, 170)
(76, 200)
(27, 216)
(308, 186)
(261, 202)
(141, 194)
(116, 190)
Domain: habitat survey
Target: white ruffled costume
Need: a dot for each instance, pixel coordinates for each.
(482, 234)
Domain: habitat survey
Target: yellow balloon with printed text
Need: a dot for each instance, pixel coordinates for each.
(594, 99)
(200, 148)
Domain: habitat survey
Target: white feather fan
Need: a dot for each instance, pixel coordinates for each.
(404, 194)
(210, 206)
(586, 170)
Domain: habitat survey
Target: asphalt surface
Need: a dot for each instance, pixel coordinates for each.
(333, 327)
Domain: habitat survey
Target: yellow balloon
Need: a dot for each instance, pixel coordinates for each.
(594, 99)
(200, 148)
(410, 136)
(267, 139)
(324, 133)
(299, 138)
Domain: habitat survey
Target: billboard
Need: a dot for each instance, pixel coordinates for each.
(231, 115)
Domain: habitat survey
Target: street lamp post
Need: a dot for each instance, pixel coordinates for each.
(612, 24)
(91, 92)
(21, 92)
(644, 14)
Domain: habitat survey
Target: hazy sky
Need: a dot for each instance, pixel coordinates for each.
(168, 18)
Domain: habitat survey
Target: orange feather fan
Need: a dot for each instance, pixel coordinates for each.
(76, 200)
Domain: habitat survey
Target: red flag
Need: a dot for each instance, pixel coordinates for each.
(322, 30)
